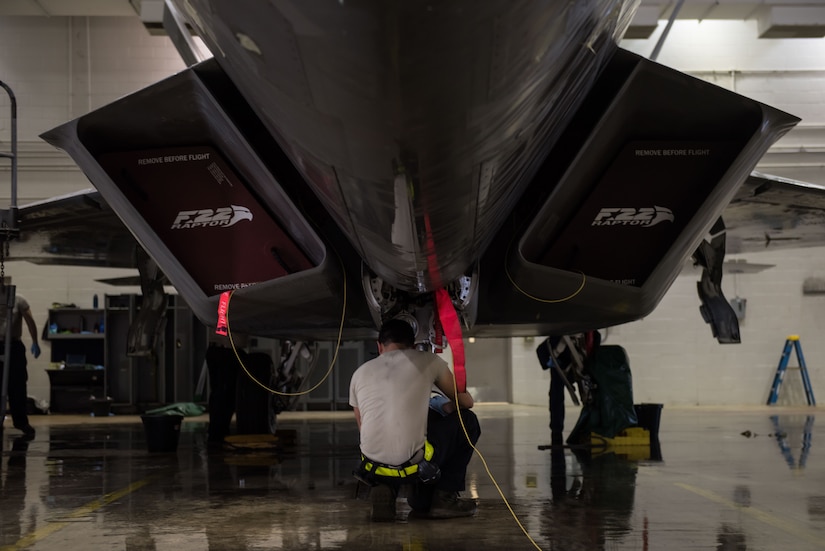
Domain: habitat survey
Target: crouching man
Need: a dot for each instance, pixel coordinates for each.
(402, 439)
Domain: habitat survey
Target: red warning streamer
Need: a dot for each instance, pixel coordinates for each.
(223, 308)
(452, 328)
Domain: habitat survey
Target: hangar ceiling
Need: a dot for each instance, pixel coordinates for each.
(777, 18)
(59, 8)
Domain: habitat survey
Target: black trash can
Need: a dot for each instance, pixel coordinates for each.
(162, 431)
(648, 417)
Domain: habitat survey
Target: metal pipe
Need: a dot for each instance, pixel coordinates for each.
(9, 298)
(666, 31)
(762, 166)
(777, 72)
(13, 101)
(88, 66)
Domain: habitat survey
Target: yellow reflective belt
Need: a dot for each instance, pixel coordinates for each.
(428, 450)
(398, 472)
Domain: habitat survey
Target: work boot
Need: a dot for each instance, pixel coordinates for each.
(28, 431)
(449, 505)
(383, 503)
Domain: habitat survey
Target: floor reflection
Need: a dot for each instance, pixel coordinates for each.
(592, 494)
(93, 485)
(730, 539)
(784, 430)
(13, 491)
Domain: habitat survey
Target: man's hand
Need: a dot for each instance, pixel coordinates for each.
(35, 349)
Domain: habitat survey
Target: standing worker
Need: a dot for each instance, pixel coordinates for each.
(390, 396)
(549, 348)
(564, 363)
(18, 374)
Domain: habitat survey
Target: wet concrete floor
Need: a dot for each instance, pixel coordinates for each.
(87, 483)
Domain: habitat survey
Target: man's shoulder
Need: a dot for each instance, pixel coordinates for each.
(424, 358)
(366, 366)
(21, 303)
(370, 362)
(419, 358)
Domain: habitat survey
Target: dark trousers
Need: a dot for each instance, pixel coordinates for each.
(452, 450)
(223, 370)
(452, 454)
(18, 377)
(556, 401)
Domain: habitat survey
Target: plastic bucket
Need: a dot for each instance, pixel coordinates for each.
(162, 432)
(648, 417)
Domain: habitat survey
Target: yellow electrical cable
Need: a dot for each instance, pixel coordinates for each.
(331, 364)
(487, 468)
(537, 299)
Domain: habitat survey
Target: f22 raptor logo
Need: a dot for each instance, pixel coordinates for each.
(210, 218)
(642, 216)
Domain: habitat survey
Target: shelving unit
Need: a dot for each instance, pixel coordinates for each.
(76, 332)
(78, 344)
(98, 338)
(74, 390)
(137, 383)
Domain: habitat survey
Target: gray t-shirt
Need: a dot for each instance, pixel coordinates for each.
(392, 392)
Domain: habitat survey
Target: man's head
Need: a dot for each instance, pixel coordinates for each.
(395, 333)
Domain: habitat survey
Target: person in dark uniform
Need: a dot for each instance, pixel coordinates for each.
(557, 346)
(223, 367)
(557, 386)
(18, 374)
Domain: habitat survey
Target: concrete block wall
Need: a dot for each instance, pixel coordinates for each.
(60, 68)
(675, 360)
(530, 383)
(63, 67)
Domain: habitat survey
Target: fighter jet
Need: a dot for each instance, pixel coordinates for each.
(339, 163)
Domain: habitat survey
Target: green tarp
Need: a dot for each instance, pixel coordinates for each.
(187, 409)
(611, 409)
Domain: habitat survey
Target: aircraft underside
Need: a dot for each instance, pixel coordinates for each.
(334, 165)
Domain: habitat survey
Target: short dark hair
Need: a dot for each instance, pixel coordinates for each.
(397, 331)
